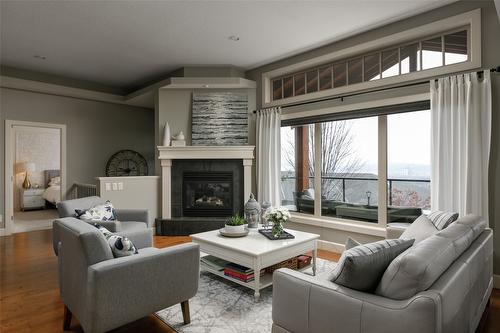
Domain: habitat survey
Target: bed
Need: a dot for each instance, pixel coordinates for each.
(52, 182)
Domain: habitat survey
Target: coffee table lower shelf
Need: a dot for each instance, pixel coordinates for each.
(265, 280)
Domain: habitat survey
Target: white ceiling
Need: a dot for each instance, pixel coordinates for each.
(125, 44)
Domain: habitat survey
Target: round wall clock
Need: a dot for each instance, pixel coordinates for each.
(126, 163)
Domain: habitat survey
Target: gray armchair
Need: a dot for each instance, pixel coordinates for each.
(132, 223)
(105, 292)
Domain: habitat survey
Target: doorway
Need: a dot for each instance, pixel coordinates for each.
(35, 163)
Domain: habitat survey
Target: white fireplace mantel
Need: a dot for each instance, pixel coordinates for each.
(167, 154)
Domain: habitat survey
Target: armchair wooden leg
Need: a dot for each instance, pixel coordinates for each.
(185, 312)
(67, 318)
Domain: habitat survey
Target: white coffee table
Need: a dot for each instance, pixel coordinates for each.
(255, 251)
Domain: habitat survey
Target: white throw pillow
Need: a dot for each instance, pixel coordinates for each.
(103, 212)
(55, 181)
(419, 230)
(120, 246)
(309, 192)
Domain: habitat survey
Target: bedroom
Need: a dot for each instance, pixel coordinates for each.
(37, 164)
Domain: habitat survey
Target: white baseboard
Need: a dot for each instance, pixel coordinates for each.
(330, 246)
(2, 232)
(496, 281)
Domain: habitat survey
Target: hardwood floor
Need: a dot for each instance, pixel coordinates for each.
(29, 294)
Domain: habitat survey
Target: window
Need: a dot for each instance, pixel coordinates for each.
(297, 168)
(427, 53)
(408, 165)
(410, 58)
(339, 74)
(432, 53)
(348, 166)
(349, 169)
(455, 47)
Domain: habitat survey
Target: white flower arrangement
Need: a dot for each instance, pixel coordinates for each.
(277, 214)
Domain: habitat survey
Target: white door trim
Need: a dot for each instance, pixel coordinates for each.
(9, 163)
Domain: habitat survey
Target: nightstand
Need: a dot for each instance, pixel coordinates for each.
(32, 199)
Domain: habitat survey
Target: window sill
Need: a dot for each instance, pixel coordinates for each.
(339, 224)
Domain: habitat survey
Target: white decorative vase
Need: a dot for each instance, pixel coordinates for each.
(166, 135)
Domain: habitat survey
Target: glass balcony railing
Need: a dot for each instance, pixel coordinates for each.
(357, 198)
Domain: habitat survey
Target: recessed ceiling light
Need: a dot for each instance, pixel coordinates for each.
(204, 85)
(234, 38)
(41, 57)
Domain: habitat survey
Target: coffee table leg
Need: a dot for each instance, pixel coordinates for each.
(256, 273)
(315, 254)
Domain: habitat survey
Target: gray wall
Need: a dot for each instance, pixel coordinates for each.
(94, 130)
(490, 58)
(174, 106)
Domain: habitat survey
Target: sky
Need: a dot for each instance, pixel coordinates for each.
(408, 137)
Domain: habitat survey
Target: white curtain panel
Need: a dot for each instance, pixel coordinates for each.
(269, 155)
(460, 143)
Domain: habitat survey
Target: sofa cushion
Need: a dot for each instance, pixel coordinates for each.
(442, 219)
(419, 230)
(361, 267)
(420, 266)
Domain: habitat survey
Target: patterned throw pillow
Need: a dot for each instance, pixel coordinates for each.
(362, 267)
(103, 212)
(442, 219)
(120, 246)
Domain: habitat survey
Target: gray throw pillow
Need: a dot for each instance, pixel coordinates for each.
(350, 243)
(361, 267)
(442, 219)
(419, 230)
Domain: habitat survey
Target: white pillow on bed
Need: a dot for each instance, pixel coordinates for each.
(55, 181)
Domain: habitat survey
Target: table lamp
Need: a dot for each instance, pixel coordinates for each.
(26, 167)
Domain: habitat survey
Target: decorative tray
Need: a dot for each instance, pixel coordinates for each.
(224, 233)
(269, 234)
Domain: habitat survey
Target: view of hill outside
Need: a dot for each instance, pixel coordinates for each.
(409, 159)
(349, 169)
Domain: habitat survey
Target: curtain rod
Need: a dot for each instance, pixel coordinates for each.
(341, 97)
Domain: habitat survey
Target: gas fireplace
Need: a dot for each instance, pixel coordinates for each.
(207, 194)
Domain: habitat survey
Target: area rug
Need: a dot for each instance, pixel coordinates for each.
(222, 306)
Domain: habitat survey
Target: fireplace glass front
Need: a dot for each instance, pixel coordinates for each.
(207, 194)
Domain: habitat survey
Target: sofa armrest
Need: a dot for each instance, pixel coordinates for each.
(136, 215)
(303, 303)
(142, 284)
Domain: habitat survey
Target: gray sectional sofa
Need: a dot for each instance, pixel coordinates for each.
(439, 285)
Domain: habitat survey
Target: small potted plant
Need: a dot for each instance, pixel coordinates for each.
(278, 216)
(235, 224)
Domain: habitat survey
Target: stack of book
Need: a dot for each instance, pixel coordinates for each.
(239, 272)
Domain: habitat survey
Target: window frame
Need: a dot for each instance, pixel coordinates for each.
(471, 21)
(368, 228)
